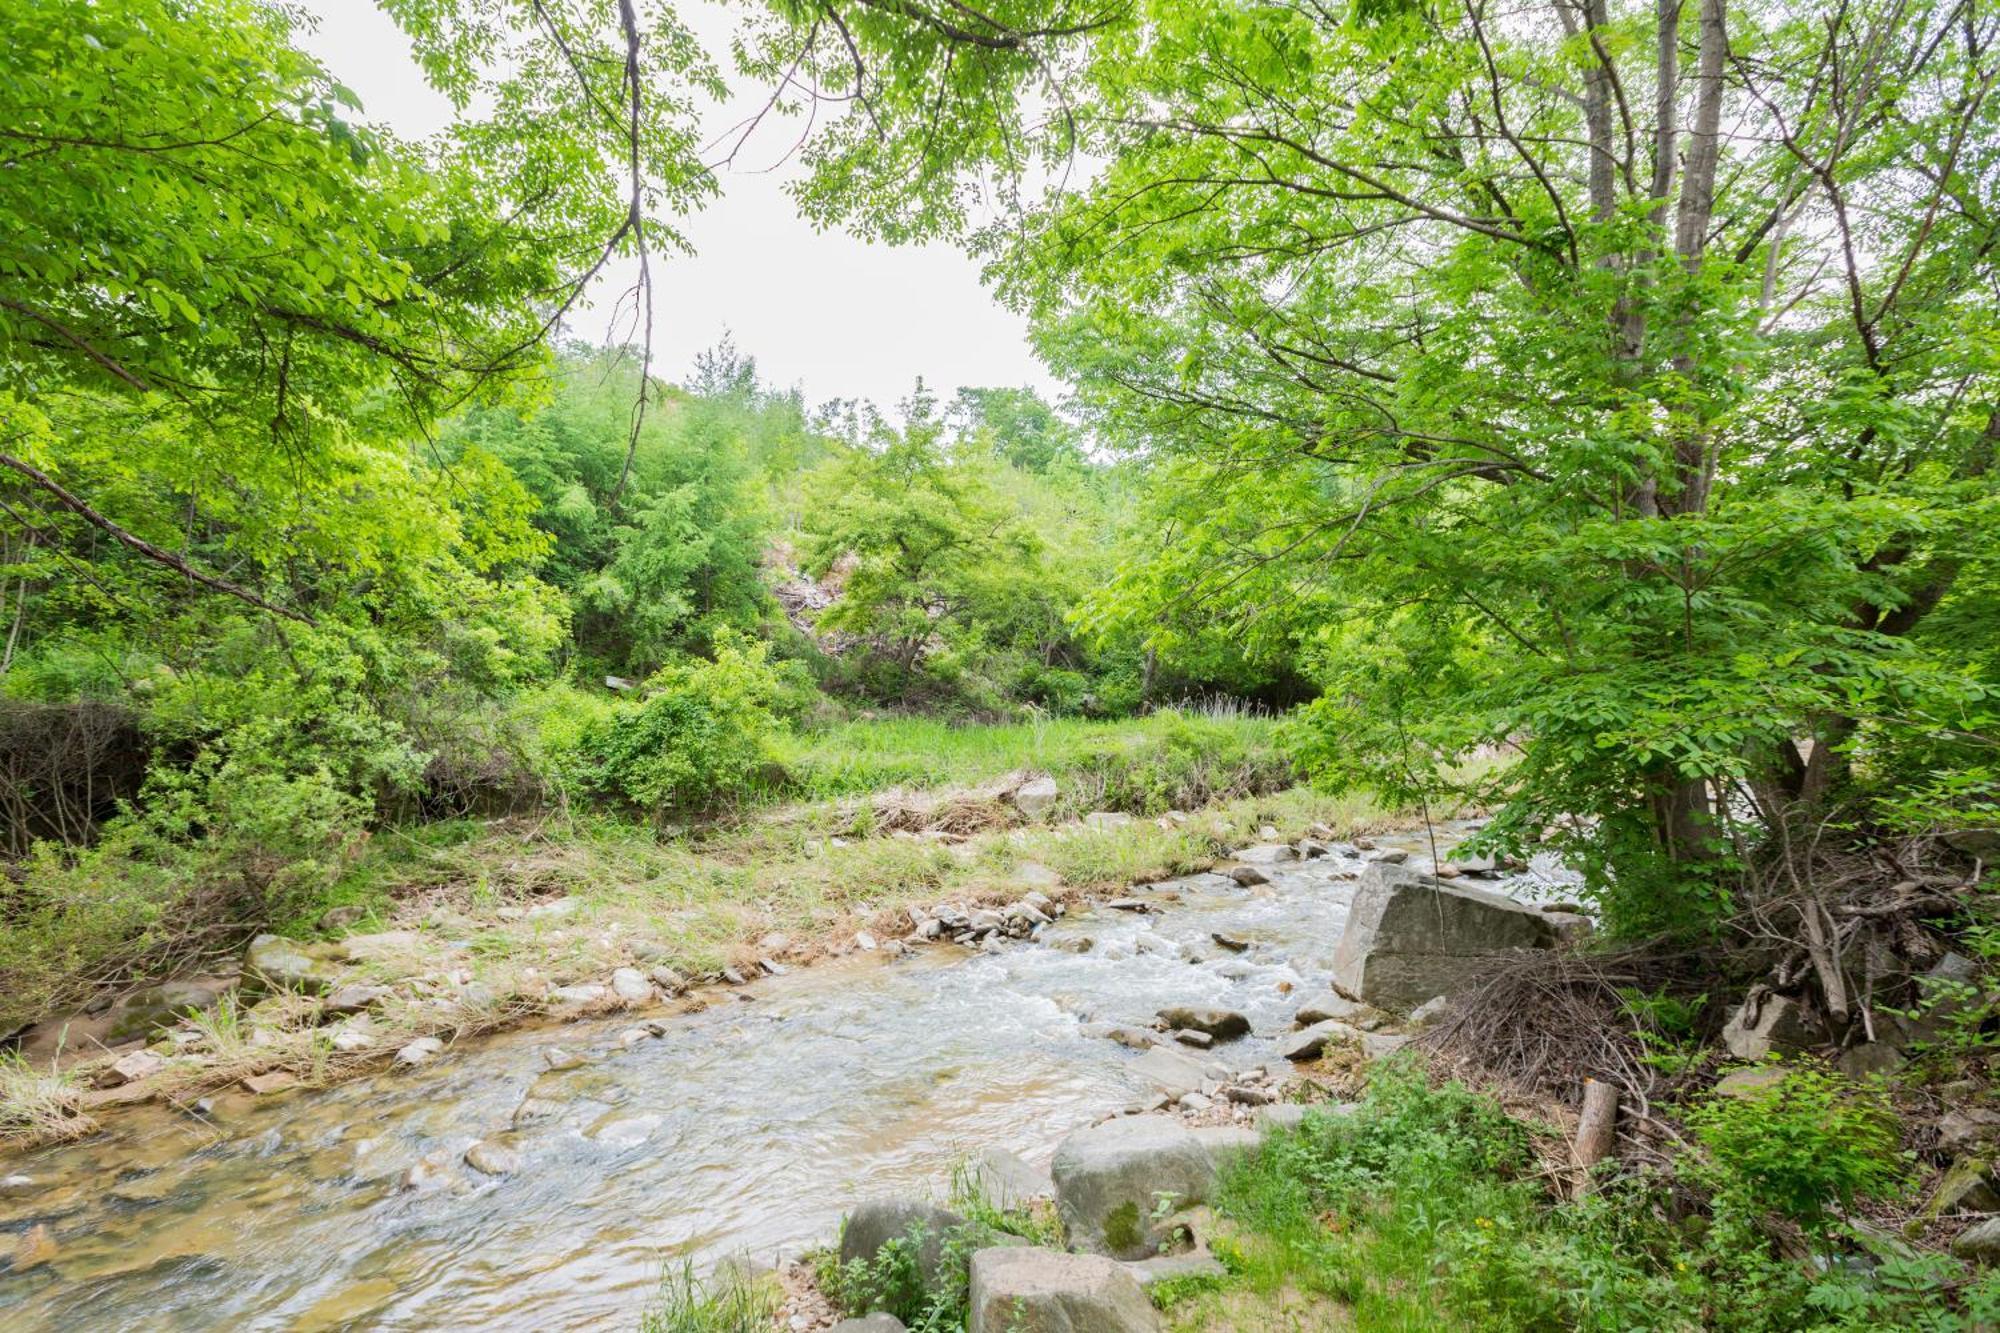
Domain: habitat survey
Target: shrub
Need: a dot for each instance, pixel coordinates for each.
(1809, 1142)
(700, 738)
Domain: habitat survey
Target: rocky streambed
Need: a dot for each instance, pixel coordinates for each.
(542, 1177)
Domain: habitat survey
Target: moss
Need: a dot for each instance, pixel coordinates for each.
(1121, 1228)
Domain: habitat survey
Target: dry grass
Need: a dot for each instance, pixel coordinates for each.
(39, 1107)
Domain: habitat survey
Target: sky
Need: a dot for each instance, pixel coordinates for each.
(832, 314)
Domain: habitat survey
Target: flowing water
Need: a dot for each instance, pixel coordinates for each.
(748, 1127)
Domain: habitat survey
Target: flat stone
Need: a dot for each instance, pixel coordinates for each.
(1172, 1073)
(353, 998)
(278, 1080)
(1110, 1178)
(1389, 856)
(557, 1059)
(1748, 1084)
(577, 997)
(1195, 1102)
(492, 1159)
(1009, 1180)
(1340, 1009)
(1170, 1267)
(1201, 1041)
(130, 1069)
(1222, 1024)
(1265, 854)
(1129, 905)
(1382, 1045)
(1308, 1044)
(631, 1037)
(625, 1131)
(1032, 1290)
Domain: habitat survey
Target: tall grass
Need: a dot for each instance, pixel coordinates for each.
(723, 1303)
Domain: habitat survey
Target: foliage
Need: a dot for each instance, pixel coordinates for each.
(701, 735)
(1541, 414)
(1422, 1208)
(894, 1280)
(1809, 1144)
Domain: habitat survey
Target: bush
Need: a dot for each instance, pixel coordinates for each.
(701, 737)
(1424, 1208)
(1809, 1142)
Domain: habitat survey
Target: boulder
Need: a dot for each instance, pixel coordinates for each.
(1222, 1024)
(157, 1008)
(881, 1321)
(1967, 1187)
(1249, 876)
(1029, 1290)
(277, 963)
(874, 1224)
(1980, 1243)
(1035, 797)
(1409, 938)
(1765, 1024)
(1571, 927)
(1110, 1180)
(1227, 1144)
(1430, 1011)
(629, 984)
(1968, 1129)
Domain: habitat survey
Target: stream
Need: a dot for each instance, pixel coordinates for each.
(749, 1127)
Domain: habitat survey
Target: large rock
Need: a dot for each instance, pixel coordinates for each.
(1339, 1008)
(1410, 937)
(1035, 797)
(874, 1224)
(1308, 1044)
(879, 1322)
(281, 964)
(157, 1008)
(1981, 1243)
(1765, 1024)
(1111, 1179)
(1019, 1290)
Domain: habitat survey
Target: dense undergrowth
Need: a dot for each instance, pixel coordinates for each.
(1427, 1206)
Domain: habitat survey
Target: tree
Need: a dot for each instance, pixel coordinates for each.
(1610, 383)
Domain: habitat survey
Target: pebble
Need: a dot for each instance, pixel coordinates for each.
(419, 1052)
(492, 1159)
(16, 1187)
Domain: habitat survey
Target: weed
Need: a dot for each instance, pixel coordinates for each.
(685, 1303)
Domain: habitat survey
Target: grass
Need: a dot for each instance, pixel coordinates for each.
(726, 1303)
(38, 1106)
(1141, 765)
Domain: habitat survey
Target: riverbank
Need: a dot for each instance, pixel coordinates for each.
(473, 927)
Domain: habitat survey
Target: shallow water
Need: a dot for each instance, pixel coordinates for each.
(748, 1127)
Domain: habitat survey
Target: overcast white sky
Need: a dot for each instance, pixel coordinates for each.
(828, 312)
